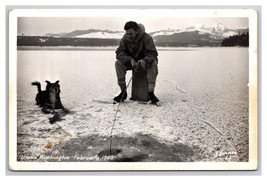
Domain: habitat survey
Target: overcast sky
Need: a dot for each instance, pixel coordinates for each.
(43, 25)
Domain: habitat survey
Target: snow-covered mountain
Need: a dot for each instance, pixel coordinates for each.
(197, 35)
(215, 31)
(102, 35)
(213, 28)
(90, 33)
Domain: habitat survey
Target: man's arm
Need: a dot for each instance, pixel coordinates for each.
(151, 53)
(121, 52)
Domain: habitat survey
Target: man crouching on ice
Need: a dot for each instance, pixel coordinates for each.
(136, 50)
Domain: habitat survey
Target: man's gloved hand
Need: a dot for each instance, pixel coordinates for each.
(133, 63)
(141, 64)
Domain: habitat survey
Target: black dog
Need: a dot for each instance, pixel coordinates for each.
(49, 98)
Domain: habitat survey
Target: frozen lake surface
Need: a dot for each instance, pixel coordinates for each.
(203, 93)
(89, 74)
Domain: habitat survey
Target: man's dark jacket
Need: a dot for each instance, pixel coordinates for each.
(142, 47)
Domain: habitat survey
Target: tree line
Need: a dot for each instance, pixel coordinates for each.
(53, 41)
(237, 40)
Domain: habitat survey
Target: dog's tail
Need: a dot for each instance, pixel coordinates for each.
(38, 85)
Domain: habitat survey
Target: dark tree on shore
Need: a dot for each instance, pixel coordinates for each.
(241, 40)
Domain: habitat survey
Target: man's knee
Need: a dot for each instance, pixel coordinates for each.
(126, 65)
(118, 63)
(152, 72)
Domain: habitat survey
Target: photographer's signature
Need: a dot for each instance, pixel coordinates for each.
(225, 153)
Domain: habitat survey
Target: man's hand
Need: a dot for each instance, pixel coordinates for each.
(133, 63)
(141, 64)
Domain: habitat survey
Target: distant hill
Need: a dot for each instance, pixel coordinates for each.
(194, 38)
(199, 35)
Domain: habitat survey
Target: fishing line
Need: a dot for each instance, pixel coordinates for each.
(114, 120)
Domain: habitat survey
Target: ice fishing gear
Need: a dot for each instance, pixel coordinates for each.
(123, 93)
(120, 98)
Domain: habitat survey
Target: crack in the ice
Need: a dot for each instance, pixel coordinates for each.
(191, 107)
(176, 86)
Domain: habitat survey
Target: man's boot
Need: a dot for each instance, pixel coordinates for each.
(121, 97)
(153, 98)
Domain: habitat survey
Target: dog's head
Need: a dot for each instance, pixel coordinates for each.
(53, 87)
